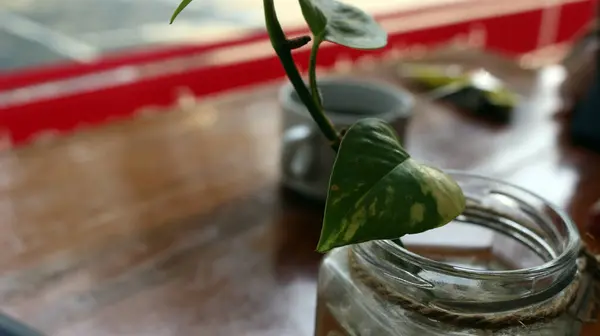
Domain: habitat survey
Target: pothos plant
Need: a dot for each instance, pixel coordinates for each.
(376, 190)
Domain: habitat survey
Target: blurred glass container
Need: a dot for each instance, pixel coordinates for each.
(307, 159)
(510, 257)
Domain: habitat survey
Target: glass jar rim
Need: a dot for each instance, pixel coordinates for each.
(567, 256)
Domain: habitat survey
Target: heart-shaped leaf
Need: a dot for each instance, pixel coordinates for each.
(377, 191)
(180, 8)
(343, 24)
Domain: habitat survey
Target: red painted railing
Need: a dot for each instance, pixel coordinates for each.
(152, 77)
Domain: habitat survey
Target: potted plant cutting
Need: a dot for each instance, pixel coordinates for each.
(369, 284)
(376, 190)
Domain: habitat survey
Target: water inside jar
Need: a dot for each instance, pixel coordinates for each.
(464, 243)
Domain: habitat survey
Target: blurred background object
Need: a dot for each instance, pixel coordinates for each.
(34, 33)
(306, 157)
(123, 53)
(37, 33)
(11, 327)
(476, 92)
(581, 67)
(581, 89)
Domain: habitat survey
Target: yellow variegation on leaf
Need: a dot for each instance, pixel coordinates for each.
(377, 191)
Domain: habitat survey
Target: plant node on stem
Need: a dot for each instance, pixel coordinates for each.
(282, 48)
(298, 42)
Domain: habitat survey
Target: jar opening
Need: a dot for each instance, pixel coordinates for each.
(523, 251)
(499, 210)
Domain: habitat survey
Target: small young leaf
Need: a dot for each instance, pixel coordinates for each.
(180, 8)
(377, 191)
(343, 24)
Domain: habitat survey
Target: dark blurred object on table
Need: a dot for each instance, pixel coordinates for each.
(581, 91)
(585, 122)
(593, 224)
(580, 94)
(580, 66)
(475, 91)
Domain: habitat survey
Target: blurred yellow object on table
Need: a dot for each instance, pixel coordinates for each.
(476, 91)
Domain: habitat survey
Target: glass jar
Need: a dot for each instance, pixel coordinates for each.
(506, 266)
(306, 158)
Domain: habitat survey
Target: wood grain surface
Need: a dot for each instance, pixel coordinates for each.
(175, 224)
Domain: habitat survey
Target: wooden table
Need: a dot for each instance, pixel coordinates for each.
(174, 224)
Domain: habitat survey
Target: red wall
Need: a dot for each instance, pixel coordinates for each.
(513, 34)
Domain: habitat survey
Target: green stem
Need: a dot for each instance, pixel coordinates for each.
(281, 47)
(312, 71)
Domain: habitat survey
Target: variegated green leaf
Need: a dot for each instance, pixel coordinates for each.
(377, 191)
(343, 24)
